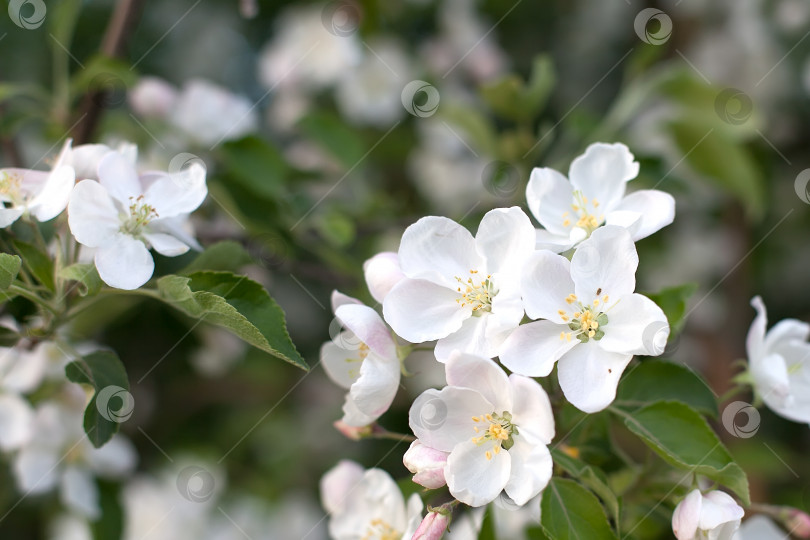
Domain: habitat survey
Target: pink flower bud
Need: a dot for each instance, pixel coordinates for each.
(382, 272)
(352, 432)
(427, 464)
(432, 527)
(798, 523)
(152, 97)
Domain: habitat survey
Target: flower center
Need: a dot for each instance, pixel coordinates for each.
(140, 214)
(495, 428)
(478, 296)
(10, 188)
(379, 529)
(585, 213)
(587, 321)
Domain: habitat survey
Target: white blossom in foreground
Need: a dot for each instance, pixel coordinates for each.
(43, 195)
(382, 272)
(713, 516)
(594, 322)
(495, 428)
(462, 290)
(367, 504)
(779, 363)
(362, 359)
(570, 211)
(123, 215)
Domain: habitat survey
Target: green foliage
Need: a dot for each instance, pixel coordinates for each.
(568, 511)
(255, 165)
(515, 100)
(337, 138)
(237, 304)
(227, 256)
(655, 380)
(672, 302)
(591, 477)
(9, 268)
(37, 262)
(86, 276)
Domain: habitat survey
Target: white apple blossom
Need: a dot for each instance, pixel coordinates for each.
(362, 359)
(85, 158)
(42, 195)
(124, 214)
(367, 504)
(21, 372)
(713, 516)
(593, 321)
(382, 272)
(779, 364)
(595, 195)
(460, 290)
(152, 97)
(495, 428)
(760, 527)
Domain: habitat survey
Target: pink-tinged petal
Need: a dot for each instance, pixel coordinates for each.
(178, 193)
(16, 421)
(420, 310)
(338, 483)
(589, 376)
(366, 324)
(545, 285)
(505, 237)
(719, 508)
(55, 194)
(124, 263)
(531, 410)
(755, 342)
(92, 216)
(533, 348)
(433, 527)
(377, 386)
(549, 195)
(605, 262)
(165, 244)
(78, 492)
(382, 272)
(438, 250)
(602, 173)
(482, 375)
(472, 478)
(530, 471)
(648, 210)
(342, 365)
(470, 338)
(686, 517)
(427, 464)
(9, 215)
(636, 325)
(118, 176)
(338, 299)
(441, 419)
(354, 417)
(555, 243)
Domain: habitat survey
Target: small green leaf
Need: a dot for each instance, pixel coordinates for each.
(256, 166)
(225, 256)
(672, 302)
(38, 263)
(592, 477)
(86, 276)
(9, 268)
(656, 380)
(568, 511)
(112, 403)
(678, 434)
(236, 303)
(334, 136)
(541, 83)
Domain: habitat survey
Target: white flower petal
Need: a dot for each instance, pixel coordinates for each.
(124, 263)
(165, 244)
(784, 332)
(755, 341)
(441, 419)
(115, 459)
(337, 299)
(419, 310)
(366, 324)
(92, 216)
(533, 348)
(482, 375)
(179, 226)
(472, 478)
(589, 376)
(16, 421)
(382, 272)
(35, 469)
(79, 493)
(341, 365)
(55, 194)
(530, 471)
(545, 285)
(686, 517)
(354, 417)
(178, 193)
(377, 386)
(438, 249)
(556, 243)
(470, 338)
(608, 261)
(338, 484)
(636, 325)
(654, 210)
(10, 215)
(505, 237)
(549, 195)
(117, 174)
(602, 172)
(531, 410)
(719, 508)
(85, 159)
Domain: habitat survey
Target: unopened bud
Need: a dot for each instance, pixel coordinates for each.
(427, 464)
(433, 526)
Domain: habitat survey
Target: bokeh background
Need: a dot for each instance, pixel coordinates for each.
(320, 150)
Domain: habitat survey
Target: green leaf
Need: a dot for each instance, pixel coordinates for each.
(256, 165)
(592, 477)
(9, 268)
(86, 276)
(513, 99)
(235, 303)
(677, 433)
(112, 403)
(487, 526)
(657, 380)
(541, 83)
(104, 74)
(332, 133)
(503, 96)
(8, 337)
(568, 511)
(38, 263)
(225, 256)
(672, 302)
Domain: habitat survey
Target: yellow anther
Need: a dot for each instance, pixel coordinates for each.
(605, 299)
(489, 455)
(566, 223)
